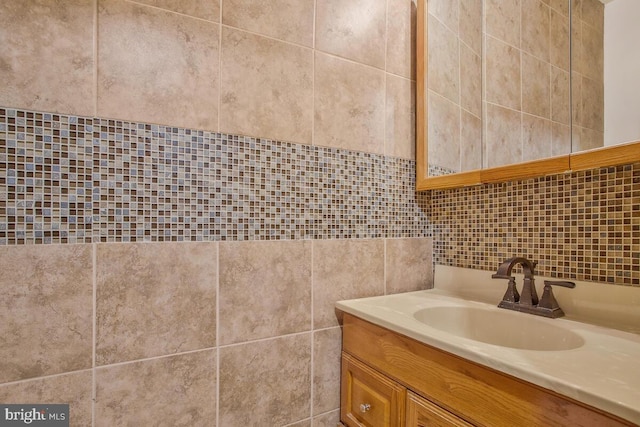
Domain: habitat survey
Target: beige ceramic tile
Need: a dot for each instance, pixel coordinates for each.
(349, 105)
(592, 53)
(265, 289)
(503, 81)
(535, 28)
(444, 61)
(503, 136)
(578, 60)
(445, 11)
(560, 139)
(444, 132)
(503, 20)
(157, 66)
(593, 14)
(576, 99)
(154, 299)
(409, 264)
(559, 48)
(344, 269)
(576, 8)
(330, 419)
(288, 20)
(536, 93)
(327, 347)
(267, 88)
(470, 81)
(593, 104)
(401, 114)
(560, 96)
(74, 389)
(45, 310)
(536, 135)
(46, 55)
(352, 29)
(470, 142)
(265, 382)
(561, 6)
(401, 36)
(471, 24)
(303, 423)
(170, 391)
(204, 9)
(590, 139)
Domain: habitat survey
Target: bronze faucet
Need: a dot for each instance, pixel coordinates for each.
(528, 302)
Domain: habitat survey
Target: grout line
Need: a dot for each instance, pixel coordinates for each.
(313, 75)
(219, 68)
(94, 279)
(95, 58)
(217, 367)
(147, 359)
(312, 364)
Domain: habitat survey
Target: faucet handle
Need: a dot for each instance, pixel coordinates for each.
(559, 283)
(548, 301)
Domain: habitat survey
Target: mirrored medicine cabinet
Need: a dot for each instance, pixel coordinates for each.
(517, 89)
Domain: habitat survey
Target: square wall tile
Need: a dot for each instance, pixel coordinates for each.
(267, 87)
(352, 29)
(503, 74)
(74, 389)
(444, 130)
(344, 269)
(330, 419)
(444, 61)
(327, 351)
(401, 118)
(409, 265)
(46, 308)
(349, 105)
(171, 391)
(154, 299)
(265, 382)
(401, 38)
(168, 71)
(46, 55)
(503, 20)
(265, 289)
(503, 137)
(287, 20)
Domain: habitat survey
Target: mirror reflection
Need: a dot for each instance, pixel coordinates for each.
(499, 86)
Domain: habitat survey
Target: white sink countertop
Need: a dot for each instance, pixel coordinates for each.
(604, 372)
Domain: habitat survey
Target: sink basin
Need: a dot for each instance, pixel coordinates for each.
(500, 327)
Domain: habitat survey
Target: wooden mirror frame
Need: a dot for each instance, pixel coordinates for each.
(591, 159)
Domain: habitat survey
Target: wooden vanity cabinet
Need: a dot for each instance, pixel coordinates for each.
(391, 380)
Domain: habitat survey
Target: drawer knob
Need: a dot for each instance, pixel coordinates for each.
(364, 407)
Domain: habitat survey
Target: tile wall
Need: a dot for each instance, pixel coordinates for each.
(527, 103)
(455, 85)
(588, 74)
(187, 333)
(187, 188)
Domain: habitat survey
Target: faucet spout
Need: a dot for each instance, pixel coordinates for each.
(529, 296)
(504, 269)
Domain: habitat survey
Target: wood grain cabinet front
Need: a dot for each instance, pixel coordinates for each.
(369, 399)
(422, 413)
(391, 380)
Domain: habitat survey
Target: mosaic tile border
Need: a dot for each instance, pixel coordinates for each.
(71, 179)
(583, 225)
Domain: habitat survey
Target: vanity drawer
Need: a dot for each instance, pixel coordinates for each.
(422, 413)
(369, 398)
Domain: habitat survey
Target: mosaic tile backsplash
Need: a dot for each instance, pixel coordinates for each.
(583, 225)
(71, 179)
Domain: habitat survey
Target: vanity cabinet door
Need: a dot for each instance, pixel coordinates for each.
(422, 413)
(368, 398)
